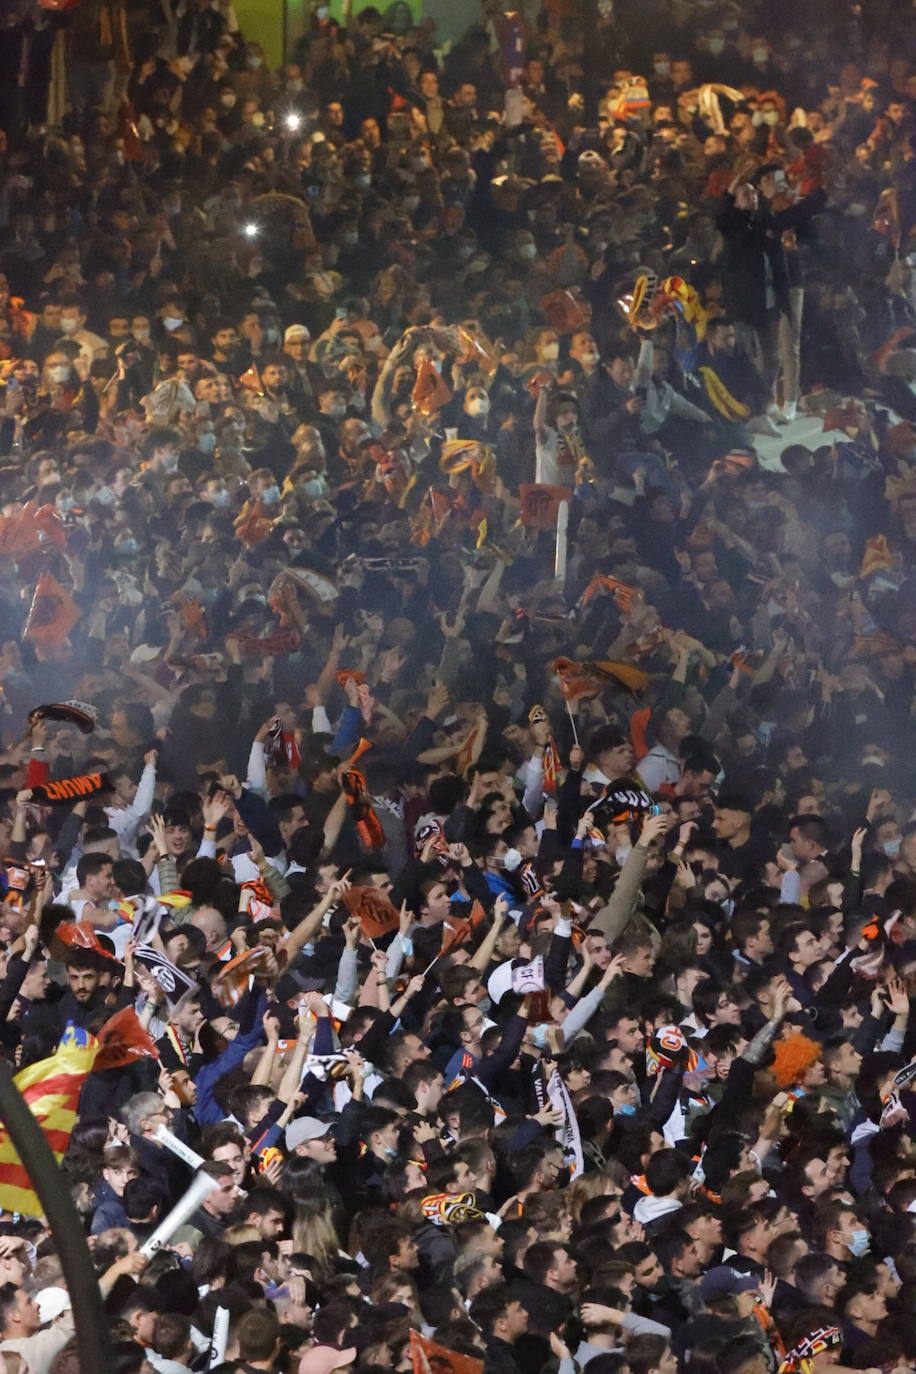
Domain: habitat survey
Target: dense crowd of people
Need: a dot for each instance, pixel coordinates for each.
(457, 599)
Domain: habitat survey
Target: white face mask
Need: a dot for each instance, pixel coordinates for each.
(69, 326)
(771, 117)
(550, 352)
(589, 359)
(478, 405)
(362, 181)
(172, 322)
(760, 55)
(411, 204)
(257, 119)
(59, 373)
(662, 68)
(254, 62)
(527, 250)
(512, 860)
(227, 100)
(716, 46)
(141, 335)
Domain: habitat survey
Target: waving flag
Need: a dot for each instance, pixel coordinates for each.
(52, 615)
(52, 1090)
(173, 981)
(429, 1358)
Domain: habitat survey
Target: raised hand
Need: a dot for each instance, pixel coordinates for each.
(653, 828)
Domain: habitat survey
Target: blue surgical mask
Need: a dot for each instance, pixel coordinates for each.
(105, 496)
(859, 1242)
(128, 547)
(206, 442)
(270, 496)
(220, 499)
(315, 488)
(539, 1036)
(891, 847)
(172, 322)
(625, 1109)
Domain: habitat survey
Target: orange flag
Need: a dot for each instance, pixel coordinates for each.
(192, 613)
(77, 935)
(232, 978)
(251, 525)
(52, 615)
(427, 1357)
(589, 678)
(31, 528)
(623, 595)
(470, 751)
(565, 310)
(457, 930)
(540, 503)
(377, 916)
(122, 1041)
(251, 380)
(430, 392)
(877, 556)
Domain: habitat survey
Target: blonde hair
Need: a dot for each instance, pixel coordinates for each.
(583, 1189)
(314, 1232)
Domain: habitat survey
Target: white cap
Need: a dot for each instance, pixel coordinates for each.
(51, 1302)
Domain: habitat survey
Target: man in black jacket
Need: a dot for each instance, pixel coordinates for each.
(756, 269)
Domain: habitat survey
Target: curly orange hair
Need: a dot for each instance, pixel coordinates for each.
(792, 1059)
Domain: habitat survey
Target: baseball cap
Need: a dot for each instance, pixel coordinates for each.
(302, 1130)
(321, 1359)
(725, 1282)
(51, 1302)
(290, 984)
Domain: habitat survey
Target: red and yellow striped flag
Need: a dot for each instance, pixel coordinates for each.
(52, 1089)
